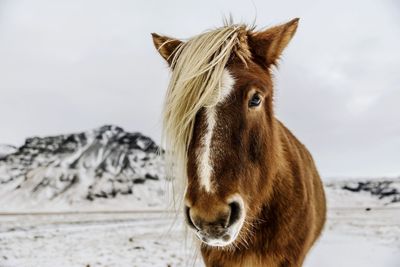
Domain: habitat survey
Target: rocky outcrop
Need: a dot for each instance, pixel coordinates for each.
(101, 163)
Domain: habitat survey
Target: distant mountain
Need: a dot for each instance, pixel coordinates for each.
(102, 163)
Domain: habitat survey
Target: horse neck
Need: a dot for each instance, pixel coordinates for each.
(279, 164)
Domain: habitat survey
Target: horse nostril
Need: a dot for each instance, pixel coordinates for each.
(235, 213)
(189, 219)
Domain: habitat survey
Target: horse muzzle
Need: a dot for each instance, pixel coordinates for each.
(217, 226)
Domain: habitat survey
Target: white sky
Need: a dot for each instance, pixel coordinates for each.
(68, 66)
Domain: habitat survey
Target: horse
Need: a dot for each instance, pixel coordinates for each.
(250, 189)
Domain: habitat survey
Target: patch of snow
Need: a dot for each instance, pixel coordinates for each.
(6, 150)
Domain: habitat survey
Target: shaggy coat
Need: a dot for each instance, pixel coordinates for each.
(251, 157)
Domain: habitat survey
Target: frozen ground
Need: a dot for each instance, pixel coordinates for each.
(361, 231)
(116, 239)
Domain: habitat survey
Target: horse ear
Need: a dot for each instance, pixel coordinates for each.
(166, 46)
(267, 46)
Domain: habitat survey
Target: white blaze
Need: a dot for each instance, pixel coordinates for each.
(205, 168)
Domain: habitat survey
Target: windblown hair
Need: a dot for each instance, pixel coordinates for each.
(197, 69)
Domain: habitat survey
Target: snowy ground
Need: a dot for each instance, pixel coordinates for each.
(361, 231)
(116, 239)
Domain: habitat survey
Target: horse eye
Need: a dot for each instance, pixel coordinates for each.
(255, 100)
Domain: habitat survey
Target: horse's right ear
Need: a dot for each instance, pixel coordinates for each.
(166, 46)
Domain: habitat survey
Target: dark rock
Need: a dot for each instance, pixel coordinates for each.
(139, 181)
(151, 177)
(353, 189)
(382, 189)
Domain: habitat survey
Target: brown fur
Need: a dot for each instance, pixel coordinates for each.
(256, 156)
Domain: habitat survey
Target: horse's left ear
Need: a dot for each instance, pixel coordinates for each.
(267, 46)
(166, 46)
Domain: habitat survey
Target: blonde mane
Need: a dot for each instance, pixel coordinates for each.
(197, 69)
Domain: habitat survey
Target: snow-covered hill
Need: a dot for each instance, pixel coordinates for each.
(104, 163)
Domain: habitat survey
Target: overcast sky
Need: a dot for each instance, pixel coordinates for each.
(68, 66)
